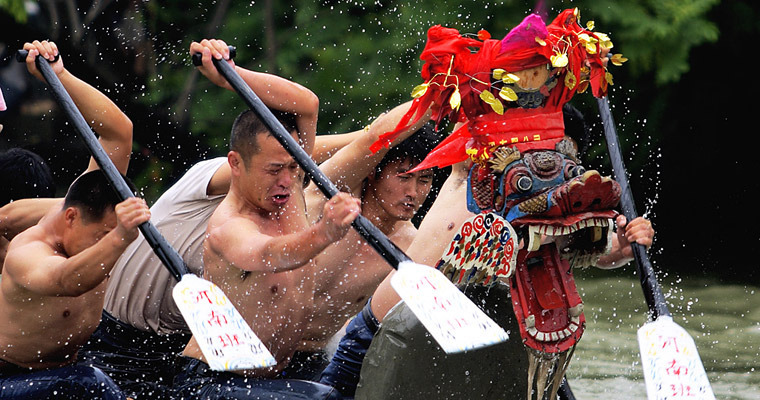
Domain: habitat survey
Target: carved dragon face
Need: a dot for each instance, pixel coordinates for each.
(559, 216)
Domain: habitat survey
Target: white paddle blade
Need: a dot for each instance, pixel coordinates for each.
(453, 320)
(225, 339)
(672, 367)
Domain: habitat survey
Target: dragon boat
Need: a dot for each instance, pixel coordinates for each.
(538, 213)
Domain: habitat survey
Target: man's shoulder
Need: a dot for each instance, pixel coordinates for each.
(228, 223)
(26, 251)
(32, 239)
(403, 234)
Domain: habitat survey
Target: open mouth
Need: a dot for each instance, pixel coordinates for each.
(547, 305)
(546, 301)
(281, 198)
(581, 242)
(409, 206)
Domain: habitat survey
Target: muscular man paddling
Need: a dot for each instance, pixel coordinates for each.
(259, 250)
(350, 270)
(55, 273)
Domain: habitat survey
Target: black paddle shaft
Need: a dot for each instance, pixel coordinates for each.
(652, 290)
(168, 256)
(376, 238)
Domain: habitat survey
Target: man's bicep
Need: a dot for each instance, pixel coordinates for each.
(21, 214)
(238, 244)
(119, 151)
(351, 165)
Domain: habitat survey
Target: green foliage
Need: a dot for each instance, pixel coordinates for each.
(657, 35)
(14, 8)
(360, 57)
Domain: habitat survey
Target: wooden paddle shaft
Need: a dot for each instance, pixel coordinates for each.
(652, 290)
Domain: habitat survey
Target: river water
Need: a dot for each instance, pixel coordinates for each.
(723, 319)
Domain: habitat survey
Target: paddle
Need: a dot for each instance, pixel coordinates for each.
(451, 318)
(672, 367)
(225, 338)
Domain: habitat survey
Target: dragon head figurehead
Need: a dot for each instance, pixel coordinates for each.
(538, 212)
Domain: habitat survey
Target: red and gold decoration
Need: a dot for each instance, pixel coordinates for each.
(478, 82)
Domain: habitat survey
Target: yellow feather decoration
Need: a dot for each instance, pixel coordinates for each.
(510, 78)
(489, 98)
(618, 59)
(419, 90)
(608, 78)
(570, 80)
(559, 60)
(508, 94)
(455, 100)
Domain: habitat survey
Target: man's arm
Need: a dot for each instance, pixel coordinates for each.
(327, 145)
(353, 163)
(105, 118)
(36, 267)
(276, 92)
(256, 251)
(638, 231)
(22, 214)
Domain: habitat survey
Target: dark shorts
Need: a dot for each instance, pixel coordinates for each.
(197, 381)
(306, 365)
(343, 371)
(69, 382)
(141, 363)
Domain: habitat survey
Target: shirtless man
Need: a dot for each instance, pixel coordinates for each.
(55, 272)
(441, 223)
(142, 329)
(350, 270)
(259, 250)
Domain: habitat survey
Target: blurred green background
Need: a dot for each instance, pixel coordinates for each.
(682, 110)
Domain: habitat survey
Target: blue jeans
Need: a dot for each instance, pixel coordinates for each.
(141, 363)
(198, 381)
(343, 371)
(70, 382)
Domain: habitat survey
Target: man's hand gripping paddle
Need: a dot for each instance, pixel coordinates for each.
(227, 342)
(452, 319)
(672, 367)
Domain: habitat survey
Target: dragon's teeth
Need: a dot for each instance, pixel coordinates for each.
(596, 234)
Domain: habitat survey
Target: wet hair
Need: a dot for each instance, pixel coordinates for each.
(92, 194)
(415, 148)
(24, 174)
(247, 126)
(576, 128)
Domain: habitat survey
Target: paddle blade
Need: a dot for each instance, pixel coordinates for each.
(225, 339)
(453, 320)
(672, 367)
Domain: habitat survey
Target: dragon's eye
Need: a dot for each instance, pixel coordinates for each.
(521, 183)
(517, 180)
